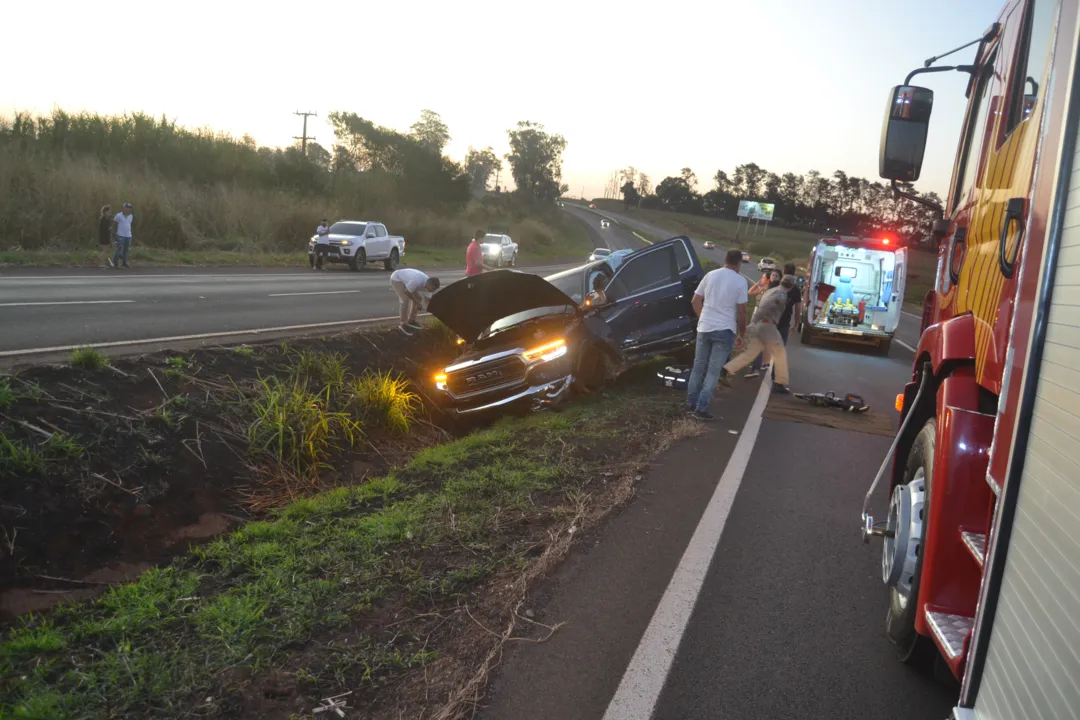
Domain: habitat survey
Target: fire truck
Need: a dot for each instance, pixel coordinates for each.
(981, 541)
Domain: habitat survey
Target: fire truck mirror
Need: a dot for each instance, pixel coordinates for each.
(903, 134)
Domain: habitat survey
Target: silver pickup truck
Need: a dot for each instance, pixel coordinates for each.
(358, 242)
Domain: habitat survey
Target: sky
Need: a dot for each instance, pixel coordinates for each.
(792, 85)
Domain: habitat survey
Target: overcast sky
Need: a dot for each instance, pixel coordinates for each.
(792, 85)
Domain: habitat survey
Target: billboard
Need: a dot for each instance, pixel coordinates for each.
(756, 210)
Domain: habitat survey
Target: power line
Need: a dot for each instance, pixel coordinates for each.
(304, 138)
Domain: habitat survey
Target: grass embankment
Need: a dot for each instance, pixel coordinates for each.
(375, 589)
(782, 244)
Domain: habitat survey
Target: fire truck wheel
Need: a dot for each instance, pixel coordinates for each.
(902, 558)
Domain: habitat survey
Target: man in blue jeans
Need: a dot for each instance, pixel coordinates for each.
(720, 304)
(122, 224)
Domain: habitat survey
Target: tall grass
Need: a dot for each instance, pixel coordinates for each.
(387, 396)
(204, 191)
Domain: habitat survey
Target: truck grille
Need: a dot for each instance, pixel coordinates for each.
(486, 376)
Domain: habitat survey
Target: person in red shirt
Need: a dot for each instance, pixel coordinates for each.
(474, 255)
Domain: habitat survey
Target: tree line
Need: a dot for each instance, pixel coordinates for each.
(812, 201)
(408, 168)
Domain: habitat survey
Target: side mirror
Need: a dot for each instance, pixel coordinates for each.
(903, 134)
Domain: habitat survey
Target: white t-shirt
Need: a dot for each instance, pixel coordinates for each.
(413, 279)
(723, 291)
(324, 235)
(123, 224)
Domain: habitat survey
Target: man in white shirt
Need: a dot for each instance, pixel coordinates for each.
(720, 304)
(122, 225)
(413, 289)
(322, 244)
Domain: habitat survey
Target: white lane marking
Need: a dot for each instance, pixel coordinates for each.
(911, 314)
(200, 336)
(904, 344)
(67, 302)
(647, 673)
(639, 237)
(320, 292)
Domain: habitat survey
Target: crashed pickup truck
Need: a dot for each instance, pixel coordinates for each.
(533, 340)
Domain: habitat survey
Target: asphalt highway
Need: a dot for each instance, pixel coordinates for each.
(788, 619)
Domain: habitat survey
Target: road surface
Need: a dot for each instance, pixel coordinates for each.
(42, 309)
(757, 600)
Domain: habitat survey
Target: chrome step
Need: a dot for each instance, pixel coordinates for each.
(976, 545)
(950, 631)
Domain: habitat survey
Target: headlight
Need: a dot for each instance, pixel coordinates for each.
(440, 381)
(546, 352)
(344, 242)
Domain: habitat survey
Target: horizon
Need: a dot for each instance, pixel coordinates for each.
(800, 59)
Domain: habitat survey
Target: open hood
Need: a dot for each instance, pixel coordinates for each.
(469, 306)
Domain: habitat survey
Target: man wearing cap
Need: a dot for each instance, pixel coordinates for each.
(764, 335)
(122, 226)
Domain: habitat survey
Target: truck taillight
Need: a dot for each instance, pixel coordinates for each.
(900, 402)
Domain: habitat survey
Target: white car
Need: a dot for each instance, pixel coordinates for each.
(766, 264)
(359, 242)
(605, 223)
(499, 250)
(599, 254)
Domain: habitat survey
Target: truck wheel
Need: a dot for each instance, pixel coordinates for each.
(391, 262)
(513, 260)
(902, 556)
(359, 260)
(884, 345)
(499, 261)
(311, 260)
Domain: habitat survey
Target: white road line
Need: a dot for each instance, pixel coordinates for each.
(200, 336)
(904, 344)
(911, 314)
(644, 679)
(639, 237)
(67, 302)
(320, 292)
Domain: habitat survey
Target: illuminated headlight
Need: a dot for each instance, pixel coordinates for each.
(440, 381)
(343, 242)
(546, 352)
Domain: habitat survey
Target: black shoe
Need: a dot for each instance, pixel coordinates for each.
(780, 389)
(704, 415)
(126, 266)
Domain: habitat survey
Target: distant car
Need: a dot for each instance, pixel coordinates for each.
(359, 242)
(499, 250)
(605, 223)
(592, 205)
(745, 257)
(599, 254)
(766, 264)
(710, 245)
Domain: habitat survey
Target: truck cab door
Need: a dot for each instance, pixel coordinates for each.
(649, 296)
(383, 239)
(896, 299)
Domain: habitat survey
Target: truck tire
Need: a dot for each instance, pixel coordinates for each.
(914, 649)
(359, 260)
(391, 263)
(883, 347)
(513, 260)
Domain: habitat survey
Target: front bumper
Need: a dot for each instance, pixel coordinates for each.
(539, 395)
(335, 253)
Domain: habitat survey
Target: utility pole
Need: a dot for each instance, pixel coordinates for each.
(497, 171)
(303, 139)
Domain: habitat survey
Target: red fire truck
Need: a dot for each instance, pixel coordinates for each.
(981, 552)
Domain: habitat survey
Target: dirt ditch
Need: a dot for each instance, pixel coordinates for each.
(105, 472)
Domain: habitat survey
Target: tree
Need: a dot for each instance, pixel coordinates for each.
(630, 194)
(643, 184)
(319, 155)
(676, 194)
(748, 180)
(535, 159)
(723, 182)
(431, 132)
(689, 178)
(480, 164)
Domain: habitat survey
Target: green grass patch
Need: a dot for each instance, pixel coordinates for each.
(387, 397)
(89, 358)
(253, 600)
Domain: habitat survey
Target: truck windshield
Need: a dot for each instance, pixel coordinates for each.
(347, 228)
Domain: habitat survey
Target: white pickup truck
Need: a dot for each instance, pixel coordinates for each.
(499, 250)
(358, 242)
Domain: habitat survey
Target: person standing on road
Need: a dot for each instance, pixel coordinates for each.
(764, 335)
(474, 255)
(773, 277)
(720, 304)
(105, 234)
(412, 288)
(122, 225)
(322, 244)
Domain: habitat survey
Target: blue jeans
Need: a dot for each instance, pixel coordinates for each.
(711, 352)
(123, 246)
